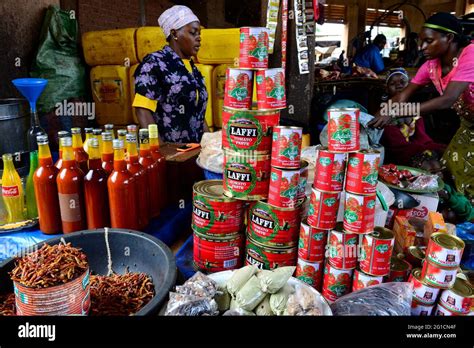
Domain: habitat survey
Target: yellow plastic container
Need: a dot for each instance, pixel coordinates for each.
(110, 47)
(131, 72)
(218, 80)
(219, 46)
(149, 40)
(206, 71)
(110, 85)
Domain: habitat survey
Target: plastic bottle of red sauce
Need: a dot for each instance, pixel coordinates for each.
(95, 190)
(59, 162)
(71, 191)
(107, 152)
(78, 146)
(46, 189)
(122, 192)
(134, 167)
(147, 161)
(160, 161)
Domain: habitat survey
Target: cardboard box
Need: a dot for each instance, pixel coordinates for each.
(428, 202)
(434, 224)
(404, 233)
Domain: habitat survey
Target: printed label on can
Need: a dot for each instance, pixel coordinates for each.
(343, 130)
(443, 256)
(362, 172)
(359, 213)
(283, 191)
(215, 255)
(342, 249)
(254, 48)
(456, 302)
(268, 258)
(438, 277)
(312, 243)
(336, 283)
(375, 255)
(310, 272)
(422, 292)
(420, 309)
(441, 311)
(271, 89)
(323, 206)
(329, 170)
(238, 89)
(286, 147)
(362, 280)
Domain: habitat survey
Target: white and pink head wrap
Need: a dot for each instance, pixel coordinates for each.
(175, 18)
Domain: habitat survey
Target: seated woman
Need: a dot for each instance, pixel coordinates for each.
(406, 137)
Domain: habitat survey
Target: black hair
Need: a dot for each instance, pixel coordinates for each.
(453, 26)
(380, 38)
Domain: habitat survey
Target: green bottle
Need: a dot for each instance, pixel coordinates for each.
(31, 209)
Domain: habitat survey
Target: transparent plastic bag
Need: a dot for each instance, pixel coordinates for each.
(424, 182)
(239, 278)
(190, 305)
(238, 312)
(279, 300)
(263, 308)
(250, 295)
(381, 300)
(198, 285)
(272, 281)
(303, 302)
(222, 298)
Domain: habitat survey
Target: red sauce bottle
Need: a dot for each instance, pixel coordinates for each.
(122, 192)
(95, 190)
(160, 161)
(71, 191)
(134, 167)
(46, 189)
(80, 154)
(59, 162)
(107, 152)
(147, 161)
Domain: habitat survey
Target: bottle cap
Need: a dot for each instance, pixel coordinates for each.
(132, 128)
(42, 139)
(75, 130)
(93, 142)
(107, 136)
(118, 144)
(62, 134)
(7, 157)
(66, 141)
(88, 130)
(153, 130)
(97, 131)
(131, 138)
(109, 126)
(122, 132)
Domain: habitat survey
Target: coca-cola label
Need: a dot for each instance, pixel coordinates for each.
(10, 191)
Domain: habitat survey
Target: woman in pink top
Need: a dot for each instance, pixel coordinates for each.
(450, 67)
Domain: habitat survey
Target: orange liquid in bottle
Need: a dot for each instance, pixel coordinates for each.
(59, 162)
(71, 191)
(147, 161)
(122, 192)
(95, 190)
(107, 153)
(80, 154)
(161, 163)
(46, 190)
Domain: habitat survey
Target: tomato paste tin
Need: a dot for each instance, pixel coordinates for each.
(336, 282)
(217, 254)
(343, 130)
(329, 170)
(421, 309)
(322, 212)
(312, 243)
(376, 251)
(253, 48)
(436, 276)
(248, 130)
(238, 89)
(442, 311)
(271, 89)
(342, 248)
(283, 191)
(310, 272)
(303, 180)
(71, 298)
(415, 256)
(362, 172)
(362, 280)
(460, 298)
(264, 257)
(246, 175)
(359, 213)
(445, 250)
(286, 147)
(213, 213)
(399, 270)
(273, 226)
(422, 292)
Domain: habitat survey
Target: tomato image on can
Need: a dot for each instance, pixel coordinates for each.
(248, 130)
(460, 298)
(246, 175)
(323, 206)
(329, 170)
(376, 251)
(217, 254)
(422, 292)
(399, 270)
(253, 48)
(436, 276)
(303, 180)
(421, 309)
(271, 89)
(286, 147)
(343, 130)
(445, 250)
(362, 172)
(362, 280)
(310, 272)
(238, 89)
(336, 282)
(273, 226)
(267, 258)
(359, 213)
(283, 190)
(312, 243)
(342, 248)
(213, 213)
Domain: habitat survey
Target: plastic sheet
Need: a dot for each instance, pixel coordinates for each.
(303, 303)
(465, 231)
(389, 299)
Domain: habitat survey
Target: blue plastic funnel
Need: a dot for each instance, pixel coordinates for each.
(31, 88)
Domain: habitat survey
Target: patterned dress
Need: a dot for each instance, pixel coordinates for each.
(181, 95)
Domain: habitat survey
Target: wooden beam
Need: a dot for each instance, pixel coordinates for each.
(460, 7)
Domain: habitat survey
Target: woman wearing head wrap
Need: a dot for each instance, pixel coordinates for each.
(170, 90)
(449, 67)
(405, 137)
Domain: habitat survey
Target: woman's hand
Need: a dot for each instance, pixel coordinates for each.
(379, 121)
